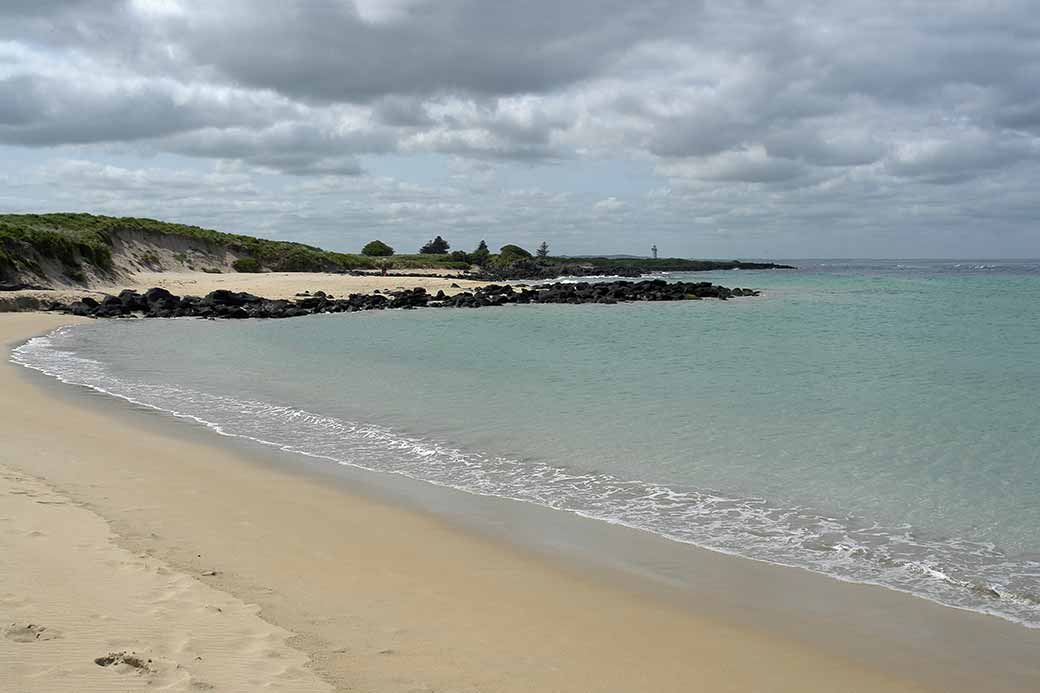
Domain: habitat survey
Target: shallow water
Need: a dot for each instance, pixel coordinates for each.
(875, 421)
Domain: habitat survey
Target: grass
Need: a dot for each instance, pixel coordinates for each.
(77, 239)
(50, 239)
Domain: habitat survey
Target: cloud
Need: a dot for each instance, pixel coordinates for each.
(751, 165)
(751, 108)
(610, 204)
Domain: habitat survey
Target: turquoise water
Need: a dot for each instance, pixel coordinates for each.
(875, 421)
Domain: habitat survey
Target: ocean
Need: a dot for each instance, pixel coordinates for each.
(876, 421)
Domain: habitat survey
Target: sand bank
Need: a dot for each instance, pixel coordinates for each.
(381, 598)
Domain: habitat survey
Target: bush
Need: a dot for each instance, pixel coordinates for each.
(459, 256)
(438, 246)
(481, 255)
(247, 265)
(377, 249)
(514, 250)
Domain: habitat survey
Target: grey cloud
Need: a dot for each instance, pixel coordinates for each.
(753, 108)
(40, 110)
(296, 148)
(326, 51)
(402, 111)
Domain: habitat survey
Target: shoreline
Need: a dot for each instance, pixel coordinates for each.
(632, 636)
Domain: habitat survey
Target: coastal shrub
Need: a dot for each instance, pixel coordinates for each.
(459, 256)
(438, 246)
(377, 249)
(212, 270)
(513, 250)
(72, 238)
(481, 255)
(300, 259)
(246, 265)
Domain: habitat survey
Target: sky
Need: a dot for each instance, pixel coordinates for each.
(724, 129)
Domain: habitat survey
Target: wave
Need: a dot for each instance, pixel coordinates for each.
(954, 572)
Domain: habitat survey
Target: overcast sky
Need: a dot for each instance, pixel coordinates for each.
(755, 128)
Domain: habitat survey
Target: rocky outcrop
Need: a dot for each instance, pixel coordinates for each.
(530, 268)
(224, 304)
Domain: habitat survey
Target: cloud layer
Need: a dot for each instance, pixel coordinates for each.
(755, 127)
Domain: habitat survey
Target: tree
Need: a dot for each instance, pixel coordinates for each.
(543, 250)
(438, 246)
(480, 255)
(377, 249)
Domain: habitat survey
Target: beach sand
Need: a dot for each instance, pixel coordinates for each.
(116, 535)
(273, 285)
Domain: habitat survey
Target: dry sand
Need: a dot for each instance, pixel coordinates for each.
(70, 596)
(288, 284)
(379, 597)
(273, 285)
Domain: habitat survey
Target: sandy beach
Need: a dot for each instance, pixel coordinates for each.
(120, 537)
(273, 285)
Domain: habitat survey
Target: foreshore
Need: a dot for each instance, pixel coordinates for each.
(122, 533)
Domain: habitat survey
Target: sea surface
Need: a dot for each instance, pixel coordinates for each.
(876, 421)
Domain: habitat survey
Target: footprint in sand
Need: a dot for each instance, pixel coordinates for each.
(125, 662)
(30, 633)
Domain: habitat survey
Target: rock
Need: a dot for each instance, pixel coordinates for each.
(82, 309)
(159, 303)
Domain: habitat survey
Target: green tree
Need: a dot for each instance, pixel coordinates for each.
(377, 249)
(543, 250)
(438, 246)
(481, 254)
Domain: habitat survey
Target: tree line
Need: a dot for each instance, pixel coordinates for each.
(481, 255)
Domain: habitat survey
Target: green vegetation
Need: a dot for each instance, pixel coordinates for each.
(25, 237)
(481, 255)
(377, 249)
(514, 251)
(81, 240)
(663, 264)
(419, 261)
(74, 243)
(438, 246)
(247, 265)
